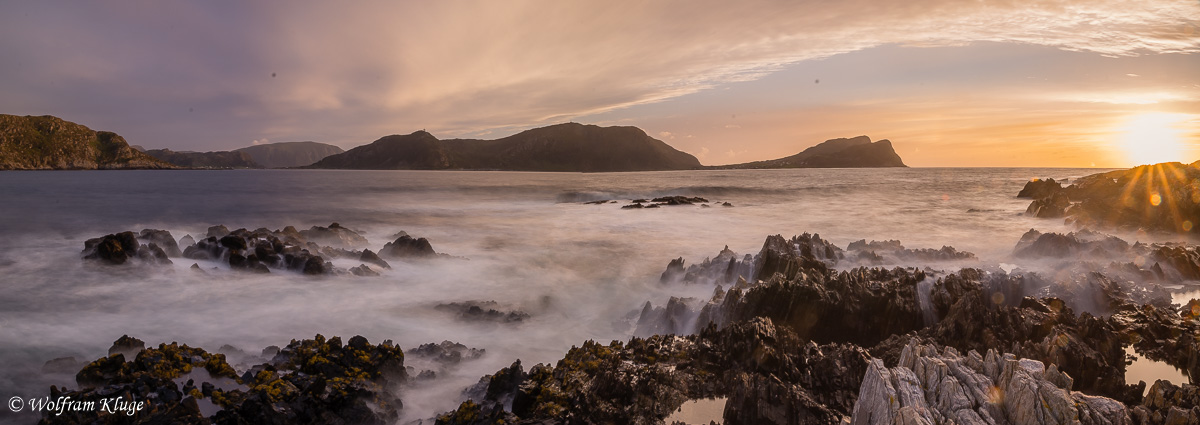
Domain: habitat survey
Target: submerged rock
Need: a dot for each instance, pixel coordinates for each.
(483, 311)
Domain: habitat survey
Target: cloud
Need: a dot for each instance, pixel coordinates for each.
(257, 142)
(666, 135)
(732, 126)
(358, 71)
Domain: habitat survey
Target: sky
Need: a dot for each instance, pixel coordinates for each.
(949, 82)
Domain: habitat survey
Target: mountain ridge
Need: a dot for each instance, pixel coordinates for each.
(569, 147)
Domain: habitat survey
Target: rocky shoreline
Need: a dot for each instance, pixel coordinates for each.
(802, 332)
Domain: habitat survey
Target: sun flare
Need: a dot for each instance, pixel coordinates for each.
(1153, 138)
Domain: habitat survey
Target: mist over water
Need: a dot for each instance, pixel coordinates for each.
(528, 241)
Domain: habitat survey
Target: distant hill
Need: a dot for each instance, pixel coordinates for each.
(217, 159)
(289, 154)
(855, 152)
(51, 143)
(563, 147)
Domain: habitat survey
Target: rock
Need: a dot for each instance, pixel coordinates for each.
(218, 231)
(1038, 189)
(111, 249)
(334, 236)
(363, 270)
(407, 247)
(447, 352)
(370, 257)
(486, 311)
(62, 365)
(1159, 197)
(769, 375)
(127, 346)
(678, 200)
(945, 386)
(674, 271)
(309, 381)
(163, 239)
(1053, 206)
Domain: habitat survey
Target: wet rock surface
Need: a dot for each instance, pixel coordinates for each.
(259, 251)
(770, 375)
(309, 381)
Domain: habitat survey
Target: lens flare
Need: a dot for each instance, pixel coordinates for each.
(1153, 138)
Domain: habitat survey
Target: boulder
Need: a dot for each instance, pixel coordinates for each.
(407, 247)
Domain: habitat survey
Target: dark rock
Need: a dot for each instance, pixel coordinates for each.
(370, 257)
(407, 247)
(128, 346)
(1039, 189)
(678, 200)
(447, 352)
(309, 381)
(1160, 197)
(218, 231)
(674, 271)
(486, 311)
(1053, 206)
(163, 239)
(112, 249)
(363, 270)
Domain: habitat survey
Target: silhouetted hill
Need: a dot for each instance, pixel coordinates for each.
(289, 154)
(217, 159)
(562, 147)
(47, 142)
(855, 152)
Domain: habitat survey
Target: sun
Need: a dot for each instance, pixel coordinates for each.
(1152, 138)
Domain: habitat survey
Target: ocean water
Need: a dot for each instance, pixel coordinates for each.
(528, 241)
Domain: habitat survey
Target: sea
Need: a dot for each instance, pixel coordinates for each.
(525, 241)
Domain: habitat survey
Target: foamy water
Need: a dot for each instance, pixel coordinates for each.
(578, 270)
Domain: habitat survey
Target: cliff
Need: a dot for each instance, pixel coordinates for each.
(51, 143)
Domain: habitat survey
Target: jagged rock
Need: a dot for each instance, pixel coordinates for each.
(364, 271)
(407, 247)
(1038, 189)
(1053, 206)
(370, 257)
(930, 387)
(127, 346)
(1082, 244)
(769, 374)
(447, 352)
